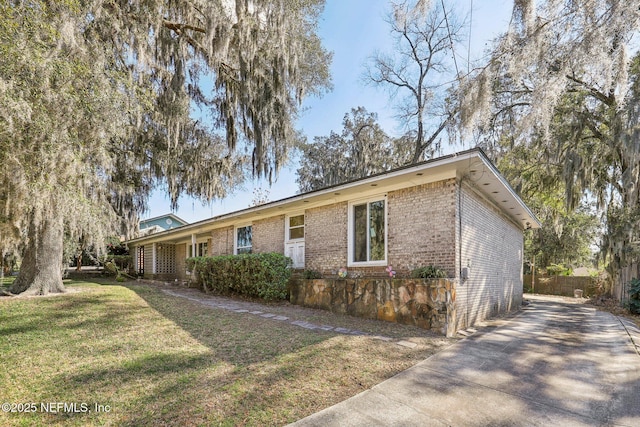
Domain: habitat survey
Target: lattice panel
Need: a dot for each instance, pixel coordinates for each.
(165, 259)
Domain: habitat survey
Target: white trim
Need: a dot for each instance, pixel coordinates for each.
(448, 167)
(296, 246)
(193, 246)
(350, 231)
(199, 244)
(287, 228)
(235, 236)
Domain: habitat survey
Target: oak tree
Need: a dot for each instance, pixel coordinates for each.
(102, 101)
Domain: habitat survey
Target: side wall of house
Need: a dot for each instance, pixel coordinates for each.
(422, 227)
(268, 235)
(491, 251)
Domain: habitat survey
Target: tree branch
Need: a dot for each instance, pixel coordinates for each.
(420, 148)
(607, 99)
(179, 28)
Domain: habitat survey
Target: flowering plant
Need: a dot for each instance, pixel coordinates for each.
(342, 273)
(389, 270)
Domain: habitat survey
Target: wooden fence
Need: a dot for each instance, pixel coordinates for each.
(560, 285)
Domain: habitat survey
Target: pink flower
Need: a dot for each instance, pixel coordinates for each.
(389, 270)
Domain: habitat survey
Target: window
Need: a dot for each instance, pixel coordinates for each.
(368, 232)
(243, 240)
(295, 227)
(202, 249)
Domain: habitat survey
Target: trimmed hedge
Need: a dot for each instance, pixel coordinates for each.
(263, 275)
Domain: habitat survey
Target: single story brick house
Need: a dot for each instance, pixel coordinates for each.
(455, 212)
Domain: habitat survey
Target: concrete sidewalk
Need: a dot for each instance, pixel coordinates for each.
(556, 364)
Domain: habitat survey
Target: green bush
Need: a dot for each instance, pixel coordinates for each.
(262, 275)
(559, 270)
(311, 274)
(428, 272)
(121, 262)
(634, 296)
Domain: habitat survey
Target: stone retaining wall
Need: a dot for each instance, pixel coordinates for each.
(427, 303)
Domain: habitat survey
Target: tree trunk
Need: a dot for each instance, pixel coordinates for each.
(41, 269)
(2, 267)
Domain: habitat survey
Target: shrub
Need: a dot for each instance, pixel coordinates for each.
(262, 275)
(559, 270)
(311, 274)
(121, 262)
(428, 272)
(113, 267)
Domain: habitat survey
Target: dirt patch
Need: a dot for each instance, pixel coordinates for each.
(612, 306)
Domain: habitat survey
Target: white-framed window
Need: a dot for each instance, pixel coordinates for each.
(367, 242)
(243, 239)
(294, 230)
(202, 249)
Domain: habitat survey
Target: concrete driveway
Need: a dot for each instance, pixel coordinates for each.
(555, 364)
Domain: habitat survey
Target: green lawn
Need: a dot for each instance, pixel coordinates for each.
(153, 359)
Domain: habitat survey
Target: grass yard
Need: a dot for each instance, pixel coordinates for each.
(147, 358)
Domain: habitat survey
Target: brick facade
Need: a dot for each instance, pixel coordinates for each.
(422, 227)
(451, 224)
(326, 238)
(221, 242)
(491, 250)
(421, 232)
(268, 235)
(181, 257)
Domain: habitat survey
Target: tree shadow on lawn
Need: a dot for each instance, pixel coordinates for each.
(256, 371)
(157, 359)
(270, 372)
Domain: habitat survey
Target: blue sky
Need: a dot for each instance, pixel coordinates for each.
(353, 30)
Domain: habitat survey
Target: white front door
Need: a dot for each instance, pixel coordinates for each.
(295, 251)
(294, 239)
